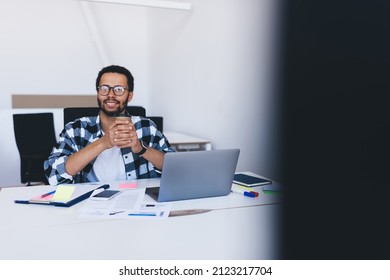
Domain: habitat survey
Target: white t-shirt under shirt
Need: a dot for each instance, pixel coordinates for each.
(109, 165)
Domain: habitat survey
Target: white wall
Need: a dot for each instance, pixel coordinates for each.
(212, 72)
(208, 71)
(47, 47)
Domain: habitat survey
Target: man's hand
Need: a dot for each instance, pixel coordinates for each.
(122, 134)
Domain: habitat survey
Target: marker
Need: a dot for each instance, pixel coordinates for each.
(242, 190)
(142, 214)
(247, 189)
(272, 190)
(245, 193)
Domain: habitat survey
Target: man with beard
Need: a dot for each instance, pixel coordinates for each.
(107, 147)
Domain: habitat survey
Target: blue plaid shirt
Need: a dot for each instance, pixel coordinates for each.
(82, 132)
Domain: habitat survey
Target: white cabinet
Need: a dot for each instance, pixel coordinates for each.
(183, 142)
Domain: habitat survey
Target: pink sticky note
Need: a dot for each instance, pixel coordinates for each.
(128, 186)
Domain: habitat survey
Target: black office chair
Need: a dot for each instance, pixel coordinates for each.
(72, 113)
(35, 137)
(158, 121)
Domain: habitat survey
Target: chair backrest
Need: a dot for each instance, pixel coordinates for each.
(35, 138)
(158, 121)
(72, 113)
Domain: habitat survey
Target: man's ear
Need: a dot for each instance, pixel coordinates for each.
(130, 96)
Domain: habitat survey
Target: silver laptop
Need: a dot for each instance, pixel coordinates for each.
(189, 175)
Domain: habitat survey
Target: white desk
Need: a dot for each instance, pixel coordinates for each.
(183, 142)
(48, 232)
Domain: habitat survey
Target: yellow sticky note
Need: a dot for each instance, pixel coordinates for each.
(63, 193)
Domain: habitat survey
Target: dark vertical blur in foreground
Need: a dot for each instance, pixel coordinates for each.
(335, 88)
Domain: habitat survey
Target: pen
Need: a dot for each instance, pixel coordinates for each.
(22, 201)
(114, 213)
(47, 194)
(142, 214)
(245, 193)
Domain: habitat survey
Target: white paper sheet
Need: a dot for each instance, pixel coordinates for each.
(124, 203)
(129, 204)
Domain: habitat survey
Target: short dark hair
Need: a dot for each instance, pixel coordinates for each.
(116, 69)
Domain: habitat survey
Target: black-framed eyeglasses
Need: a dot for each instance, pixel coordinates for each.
(105, 89)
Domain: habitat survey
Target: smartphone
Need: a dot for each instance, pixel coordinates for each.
(105, 195)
